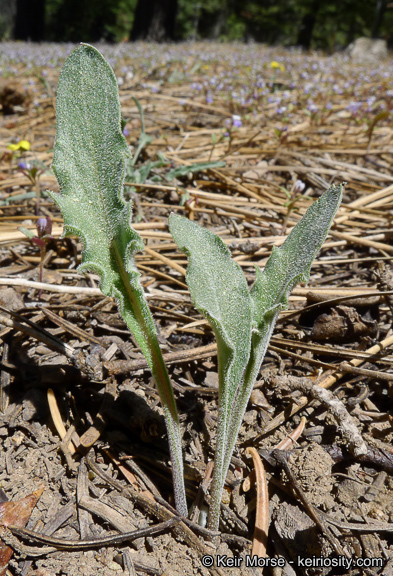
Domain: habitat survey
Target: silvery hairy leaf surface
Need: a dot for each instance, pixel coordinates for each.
(243, 320)
(89, 163)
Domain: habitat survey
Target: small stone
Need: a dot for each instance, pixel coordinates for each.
(11, 300)
(369, 50)
(211, 380)
(174, 197)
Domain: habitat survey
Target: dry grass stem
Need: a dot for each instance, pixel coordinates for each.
(262, 509)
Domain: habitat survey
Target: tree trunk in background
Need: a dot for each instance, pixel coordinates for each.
(7, 18)
(380, 7)
(154, 20)
(307, 26)
(30, 20)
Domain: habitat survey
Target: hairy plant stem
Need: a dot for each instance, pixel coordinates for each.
(148, 341)
(226, 401)
(219, 473)
(90, 162)
(260, 342)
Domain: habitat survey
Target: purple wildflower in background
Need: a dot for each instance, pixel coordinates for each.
(370, 101)
(354, 107)
(44, 226)
(25, 165)
(299, 187)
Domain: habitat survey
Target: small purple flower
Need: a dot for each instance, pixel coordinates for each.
(44, 226)
(354, 107)
(126, 132)
(370, 101)
(236, 121)
(299, 187)
(25, 165)
(313, 108)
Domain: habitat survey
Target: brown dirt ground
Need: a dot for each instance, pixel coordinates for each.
(75, 342)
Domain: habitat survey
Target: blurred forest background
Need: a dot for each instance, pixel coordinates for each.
(311, 24)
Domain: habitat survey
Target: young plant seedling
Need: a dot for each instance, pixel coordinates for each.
(89, 163)
(43, 236)
(243, 320)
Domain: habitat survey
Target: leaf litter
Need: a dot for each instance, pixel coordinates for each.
(74, 341)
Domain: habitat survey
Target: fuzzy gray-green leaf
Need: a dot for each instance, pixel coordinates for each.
(89, 163)
(219, 291)
(89, 160)
(287, 265)
(291, 263)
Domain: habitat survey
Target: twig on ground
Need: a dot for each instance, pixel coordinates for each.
(325, 382)
(262, 511)
(347, 425)
(113, 540)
